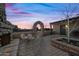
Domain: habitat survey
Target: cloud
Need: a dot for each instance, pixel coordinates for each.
(24, 15)
(23, 24)
(10, 5)
(27, 22)
(28, 25)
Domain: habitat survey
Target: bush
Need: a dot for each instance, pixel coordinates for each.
(75, 33)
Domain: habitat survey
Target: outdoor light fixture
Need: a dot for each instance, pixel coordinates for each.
(66, 26)
(52, 26)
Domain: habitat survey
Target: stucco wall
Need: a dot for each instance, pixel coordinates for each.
(74, 25)
(56, 28)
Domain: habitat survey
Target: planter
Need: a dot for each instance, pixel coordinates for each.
(71, 49)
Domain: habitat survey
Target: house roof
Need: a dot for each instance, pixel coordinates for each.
(73, 18)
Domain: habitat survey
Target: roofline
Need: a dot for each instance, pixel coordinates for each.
(65, 20)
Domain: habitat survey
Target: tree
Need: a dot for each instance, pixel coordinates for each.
(68, 13)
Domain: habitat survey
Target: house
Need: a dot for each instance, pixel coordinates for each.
(61, 27)
(6, 28)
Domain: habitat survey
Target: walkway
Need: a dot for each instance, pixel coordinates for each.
(41, 46)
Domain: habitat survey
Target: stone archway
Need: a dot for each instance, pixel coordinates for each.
(41, 26)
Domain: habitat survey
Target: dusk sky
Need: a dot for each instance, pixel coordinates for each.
(24, 15)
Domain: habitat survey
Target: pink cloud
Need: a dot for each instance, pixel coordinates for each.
(25, 13)
(28, 25)
(23, 25)
(46, 25)
(8, 5)
(17, 11)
